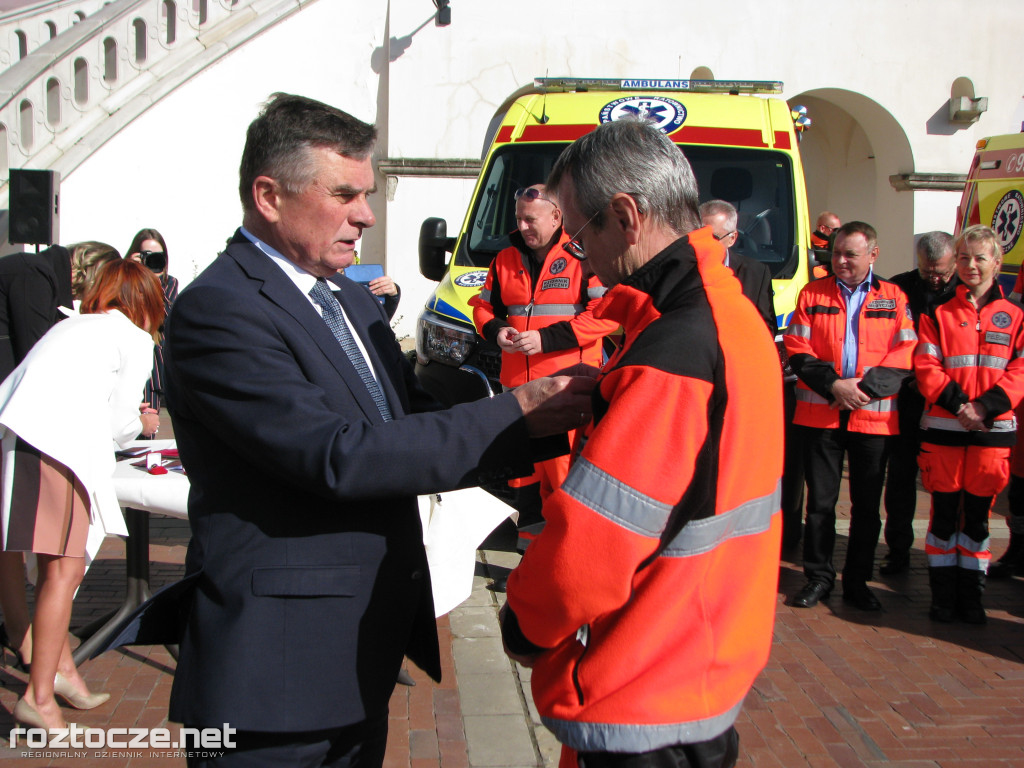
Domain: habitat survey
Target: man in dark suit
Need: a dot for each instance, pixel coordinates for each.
(32, 286)
(305, 457)
(754, 276)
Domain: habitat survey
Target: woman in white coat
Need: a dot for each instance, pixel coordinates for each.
(79, 387)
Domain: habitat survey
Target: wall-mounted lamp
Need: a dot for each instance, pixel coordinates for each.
(443, 17)
(964, 109)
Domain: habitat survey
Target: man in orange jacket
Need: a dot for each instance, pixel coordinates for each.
(627, 605)
(850, 343)
(537, 306)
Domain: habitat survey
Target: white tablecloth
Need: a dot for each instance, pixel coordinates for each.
(136, 488)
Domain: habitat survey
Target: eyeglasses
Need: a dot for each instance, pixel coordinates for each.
(574, 247)
(720, 238)
(530, 194)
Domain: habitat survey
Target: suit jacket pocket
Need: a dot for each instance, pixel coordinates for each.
(306, 581)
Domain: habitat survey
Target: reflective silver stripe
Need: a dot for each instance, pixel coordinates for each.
(953, 425)
(924, 348)
(973, 563)
(976, 361)
(907, 334)
(804, 331)
(945, 559)
(809, 396)
(619, 737)
(963, 541)
(538, 310)
(597, 490)
(1016, 354)
(880, 406)
(485, 294)
(597, 292)
(944, 545)
(700, 536)
(959, 361)
(991, 361)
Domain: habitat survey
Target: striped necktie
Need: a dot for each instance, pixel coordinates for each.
(335, 320)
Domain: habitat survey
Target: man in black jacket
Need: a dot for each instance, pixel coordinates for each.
(753, 275)
(933, 280)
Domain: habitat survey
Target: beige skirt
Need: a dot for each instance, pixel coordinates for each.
(46, 510)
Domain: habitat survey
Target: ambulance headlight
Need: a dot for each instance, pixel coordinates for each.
(441, 341)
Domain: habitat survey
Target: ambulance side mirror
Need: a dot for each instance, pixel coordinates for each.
(434, 244)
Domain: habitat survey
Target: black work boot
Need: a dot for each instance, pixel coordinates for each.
(969, 586)
(1012, 561)
(943, 582)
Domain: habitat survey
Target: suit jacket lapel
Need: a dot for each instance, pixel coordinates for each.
(281, 291)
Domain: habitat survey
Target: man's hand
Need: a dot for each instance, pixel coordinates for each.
(553, 405)
(383, 286)
(507, 338)
(848, 396)
(526, 661)
(529, 343)
(972, 417)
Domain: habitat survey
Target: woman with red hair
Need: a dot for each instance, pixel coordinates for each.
(79, 388)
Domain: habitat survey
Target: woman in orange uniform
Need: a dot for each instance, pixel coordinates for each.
(970, 368)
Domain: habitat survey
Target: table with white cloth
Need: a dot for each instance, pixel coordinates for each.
(138, 493)
(454, 525)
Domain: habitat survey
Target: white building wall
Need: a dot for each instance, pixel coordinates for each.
(880, 74)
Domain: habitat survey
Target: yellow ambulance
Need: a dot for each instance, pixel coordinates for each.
(994, 195)
(738, 136)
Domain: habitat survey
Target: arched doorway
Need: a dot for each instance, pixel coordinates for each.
(851, 149)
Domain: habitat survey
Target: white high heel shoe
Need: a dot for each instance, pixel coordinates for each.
(62, 686)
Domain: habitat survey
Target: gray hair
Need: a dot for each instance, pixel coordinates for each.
(720, 207)
(634, 157)
(933, 246)
(278, 143)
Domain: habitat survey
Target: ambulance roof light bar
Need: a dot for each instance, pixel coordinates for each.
(651, 84)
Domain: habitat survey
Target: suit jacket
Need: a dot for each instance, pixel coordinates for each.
(756, 280)
(311, 581)
(32, 285)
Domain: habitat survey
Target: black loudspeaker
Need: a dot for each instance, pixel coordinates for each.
(34, 207)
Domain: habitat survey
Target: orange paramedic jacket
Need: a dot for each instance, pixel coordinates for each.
(560, 306)
(966, 355)
(814, 343)
(630, 593)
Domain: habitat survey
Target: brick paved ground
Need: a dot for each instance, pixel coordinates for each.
(842, 688)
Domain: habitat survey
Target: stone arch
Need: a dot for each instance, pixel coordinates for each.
(53, 103)
(26, 125)
(141, 44)
(81, 73)
(169, 21)
(851, 149)
(109, 60)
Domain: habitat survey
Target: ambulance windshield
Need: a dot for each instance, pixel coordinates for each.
(758, 182)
